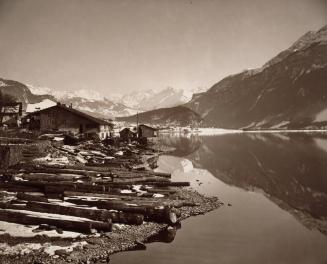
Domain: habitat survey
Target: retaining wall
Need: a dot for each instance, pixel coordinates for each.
(12, 154)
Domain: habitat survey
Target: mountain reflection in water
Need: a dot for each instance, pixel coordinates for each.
(277, 186)
(291, 169)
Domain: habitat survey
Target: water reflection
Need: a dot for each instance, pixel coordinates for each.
(165, 236)
(184, 145)
(276, 184)
(290, 169)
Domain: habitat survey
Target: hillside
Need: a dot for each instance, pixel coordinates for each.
(179, 115)
(289, 91)
(22, 93)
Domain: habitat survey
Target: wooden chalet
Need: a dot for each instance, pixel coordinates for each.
(67, 119)
(127, 134)
(144, 131)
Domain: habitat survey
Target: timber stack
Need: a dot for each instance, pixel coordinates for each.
(108, 186)
(95, 189)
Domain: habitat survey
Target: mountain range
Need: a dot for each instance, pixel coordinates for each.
(289, 91)
(118, 105)
(149, 99)
(92, 102)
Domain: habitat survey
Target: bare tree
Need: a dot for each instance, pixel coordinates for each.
(6, 98)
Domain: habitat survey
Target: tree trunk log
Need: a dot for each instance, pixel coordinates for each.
(160, 214)
(97, 215)
(70, 225)
(29, 197)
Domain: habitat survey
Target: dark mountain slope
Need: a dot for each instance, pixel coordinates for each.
(179, 115)
(288, 91)
(21, 92)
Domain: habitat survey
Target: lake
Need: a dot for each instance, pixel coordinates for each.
(274, 190)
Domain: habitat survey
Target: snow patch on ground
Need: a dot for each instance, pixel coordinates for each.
(17, 230)
(50, 250)
(126, 191)
(158, 195)
(25, 248)
(53, 161)
(51, 216)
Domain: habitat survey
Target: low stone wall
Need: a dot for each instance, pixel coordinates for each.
(12, 154)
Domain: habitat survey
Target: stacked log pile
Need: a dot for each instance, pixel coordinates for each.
(90, 197)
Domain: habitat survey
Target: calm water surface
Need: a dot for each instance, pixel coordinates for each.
(276, 185)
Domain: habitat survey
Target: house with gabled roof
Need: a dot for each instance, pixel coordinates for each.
(145, 131)
(67, 119)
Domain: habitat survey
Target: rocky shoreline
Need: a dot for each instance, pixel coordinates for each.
(99, 245)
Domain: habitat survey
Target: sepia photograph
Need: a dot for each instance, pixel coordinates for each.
(163, 131)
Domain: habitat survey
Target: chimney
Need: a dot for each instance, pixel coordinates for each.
(71, 105)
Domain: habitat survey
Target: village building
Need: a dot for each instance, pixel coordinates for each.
(144, 131)
(67, 119)
(10, 114)
(127, 134)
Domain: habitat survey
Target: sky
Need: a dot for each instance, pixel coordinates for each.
(118, 46)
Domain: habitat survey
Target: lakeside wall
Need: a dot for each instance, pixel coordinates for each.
(12, 154)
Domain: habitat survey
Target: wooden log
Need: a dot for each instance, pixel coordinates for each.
(160, 214)
(94, 214)
(66, 171)
(26, 218)
(163, 174)
(161, 191)
(126, 218)
(51, 177)
(168, 184)
(12, 187)
(98, 215)
(106, 171)
(29, 197)
(120, 196)
(138, 180)
(4, 205)
(60, 187)
(111, 196)
(109, 205)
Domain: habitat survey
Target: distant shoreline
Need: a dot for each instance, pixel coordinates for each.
(220, 131)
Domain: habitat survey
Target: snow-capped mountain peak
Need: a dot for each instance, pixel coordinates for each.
(81, 93)
(150, 99)
(119, 105)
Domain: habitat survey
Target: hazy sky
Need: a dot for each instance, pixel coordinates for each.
(119, 46)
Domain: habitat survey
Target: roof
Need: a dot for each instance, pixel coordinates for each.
(142, 125)
(127, 129)
(75, 112)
